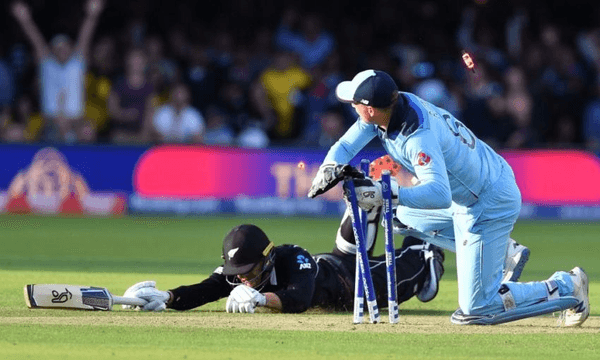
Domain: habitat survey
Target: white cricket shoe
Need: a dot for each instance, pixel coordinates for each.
(517, 256)
(581, 287)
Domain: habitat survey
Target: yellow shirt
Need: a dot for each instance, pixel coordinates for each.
(282, 88)
(96, 107)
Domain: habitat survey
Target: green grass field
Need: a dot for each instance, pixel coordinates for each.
(115, 253)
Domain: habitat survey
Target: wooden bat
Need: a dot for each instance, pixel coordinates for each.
(50, 296)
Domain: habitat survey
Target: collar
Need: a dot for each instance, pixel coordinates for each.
(401, 119)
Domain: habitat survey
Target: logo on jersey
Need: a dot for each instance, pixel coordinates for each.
(304, 262)
(423, 159)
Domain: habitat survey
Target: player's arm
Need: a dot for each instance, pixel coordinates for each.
(211, 289)
(355, 138)
(433, 190)
(273, 301)
(22, 13)
(182, 298)
(93, 9)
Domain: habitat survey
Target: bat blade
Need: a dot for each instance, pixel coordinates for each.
(64, 296)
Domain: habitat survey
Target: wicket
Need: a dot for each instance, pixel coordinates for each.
(363, 281)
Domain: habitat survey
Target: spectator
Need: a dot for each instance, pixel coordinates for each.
(282, 84)
(130, 103)
(435, 91)
(218, 131)
(520, 107)
(201, 78)
(98, 85)
(312, 44)
(7, 84)
(253, 136)
(177, 121)
(332, 128)
(262, 51)
(502, 124)
(321, 96)
(480, 43)
(591, 122)
(25, 114)
(62, 68)
(233, 99)
(158, 61)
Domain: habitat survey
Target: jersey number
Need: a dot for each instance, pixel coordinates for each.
(458, 129)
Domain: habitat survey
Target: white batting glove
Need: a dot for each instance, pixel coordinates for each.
(244, 299)
(369, 194)
(147, 290)
(135, 287)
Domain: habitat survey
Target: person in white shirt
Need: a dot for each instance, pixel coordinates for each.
(62, 68)
(178, 121)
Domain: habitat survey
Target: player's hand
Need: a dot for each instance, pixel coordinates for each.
(329, 175)
(21, 11)
(369, 193)
(244, 299)
(94, 7)
(146, 290)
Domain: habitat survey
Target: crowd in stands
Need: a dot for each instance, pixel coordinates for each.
(261, 73)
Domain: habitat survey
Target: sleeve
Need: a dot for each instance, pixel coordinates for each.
(433, 191)
(211, 289)
(297, 296)
(356, 138)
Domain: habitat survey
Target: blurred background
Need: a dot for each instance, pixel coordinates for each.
(105, 88)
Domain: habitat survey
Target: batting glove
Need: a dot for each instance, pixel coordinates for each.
(133, 288)
(329, 175)
(244, 299)
(147, 290)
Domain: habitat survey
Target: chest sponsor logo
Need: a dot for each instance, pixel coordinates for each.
(304, 262)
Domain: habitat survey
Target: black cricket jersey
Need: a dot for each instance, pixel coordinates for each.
(296, 279)
(302, 281)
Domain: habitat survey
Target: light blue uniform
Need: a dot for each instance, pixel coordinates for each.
(467, 194)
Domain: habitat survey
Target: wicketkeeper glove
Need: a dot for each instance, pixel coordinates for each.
(369, 194)
(244, 299)
(329, 175)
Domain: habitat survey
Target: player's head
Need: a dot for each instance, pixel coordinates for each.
(248, 254)
(61, 46)
(370, 88)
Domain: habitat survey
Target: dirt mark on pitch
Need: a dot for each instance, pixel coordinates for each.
(288, 322)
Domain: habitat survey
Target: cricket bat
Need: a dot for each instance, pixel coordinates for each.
(64, 296)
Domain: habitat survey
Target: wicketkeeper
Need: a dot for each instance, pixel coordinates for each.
(466, 200)
(287, 278)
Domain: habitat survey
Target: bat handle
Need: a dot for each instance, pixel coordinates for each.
(121, 300)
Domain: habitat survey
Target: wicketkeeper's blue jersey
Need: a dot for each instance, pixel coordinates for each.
(449, 161)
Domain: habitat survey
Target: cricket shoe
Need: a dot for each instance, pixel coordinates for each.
(459, 318)
(434, 259)
(516, 258)
(577, 315)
